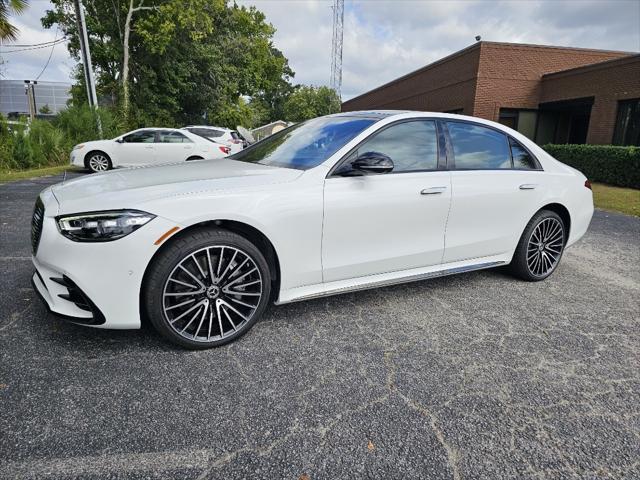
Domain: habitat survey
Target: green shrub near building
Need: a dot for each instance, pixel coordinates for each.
(608, 164)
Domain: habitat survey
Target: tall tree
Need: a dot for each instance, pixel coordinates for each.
(125, 51)
(308, 102)
(7, 30)
(182, 60)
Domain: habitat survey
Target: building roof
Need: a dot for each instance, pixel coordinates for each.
(477, 45)
(595, 66)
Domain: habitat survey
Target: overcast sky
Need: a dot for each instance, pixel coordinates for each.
(383, 39)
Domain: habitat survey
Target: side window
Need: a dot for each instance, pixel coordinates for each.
(478, 148)
(411, 145)
(521, 158)
(143, 136)
(173, 137)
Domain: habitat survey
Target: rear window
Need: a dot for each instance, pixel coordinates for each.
(207, 132)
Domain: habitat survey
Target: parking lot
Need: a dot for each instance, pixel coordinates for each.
(470, 376)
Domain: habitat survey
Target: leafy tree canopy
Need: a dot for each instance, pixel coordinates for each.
(308, 102)
(8, 31)
(189, 60)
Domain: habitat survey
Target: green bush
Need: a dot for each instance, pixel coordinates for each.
(601, 163)
(79, 124)
(48, 143)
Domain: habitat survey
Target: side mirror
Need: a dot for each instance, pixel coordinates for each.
(373, 162)
(120, 140)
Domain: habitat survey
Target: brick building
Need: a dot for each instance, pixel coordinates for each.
(551, 94)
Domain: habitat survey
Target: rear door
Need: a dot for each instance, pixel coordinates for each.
(496, 185)
(172, 146)
(381, 223)
(137, 148)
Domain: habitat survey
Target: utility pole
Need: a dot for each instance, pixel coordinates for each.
(86, 60)
(336, 46)
(29, 90)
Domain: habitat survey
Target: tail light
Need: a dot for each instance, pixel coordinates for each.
(224, 149)
(587, 184)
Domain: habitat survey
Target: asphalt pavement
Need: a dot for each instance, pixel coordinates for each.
(471, 376)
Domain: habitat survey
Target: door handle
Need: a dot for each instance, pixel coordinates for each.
(528, 186)
(149, 147)
(433, 191)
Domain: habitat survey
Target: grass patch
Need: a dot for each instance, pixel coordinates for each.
(617, 199)
(12, 175)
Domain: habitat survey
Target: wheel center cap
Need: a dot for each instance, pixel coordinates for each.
(213, 292)
(541, 247)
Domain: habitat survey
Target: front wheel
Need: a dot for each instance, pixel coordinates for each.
(98, 162)
(207, 288)
(540, 248)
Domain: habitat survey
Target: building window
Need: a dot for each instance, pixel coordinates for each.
(456, 111)
(523, 121)
(627, 130)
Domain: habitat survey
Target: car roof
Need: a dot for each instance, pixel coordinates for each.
(370, 113)
(212, 127)
(157, 128)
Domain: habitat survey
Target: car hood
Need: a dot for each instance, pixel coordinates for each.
(132, 187)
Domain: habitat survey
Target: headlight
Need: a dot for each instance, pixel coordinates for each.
(102, 226)
(79, 146)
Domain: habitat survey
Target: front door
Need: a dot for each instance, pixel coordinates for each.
(136, 149)
(380, 223)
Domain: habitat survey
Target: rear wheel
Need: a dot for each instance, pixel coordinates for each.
(207, 288)
(98, 162)
(540, 248)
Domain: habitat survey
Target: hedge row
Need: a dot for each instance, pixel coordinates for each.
(602, 163)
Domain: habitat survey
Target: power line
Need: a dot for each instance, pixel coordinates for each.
(34, 44)
(53, 46)
(62, 40)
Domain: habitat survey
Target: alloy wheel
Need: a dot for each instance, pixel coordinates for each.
(212, 293)
(545, 246)
(99, 163)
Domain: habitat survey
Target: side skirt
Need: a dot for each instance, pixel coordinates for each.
(394, 281)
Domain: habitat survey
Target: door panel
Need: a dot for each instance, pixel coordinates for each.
(489, 211)
(138, 148)
(173, 147)
(492, 201)
(383, 223)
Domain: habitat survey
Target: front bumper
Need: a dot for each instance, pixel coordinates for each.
(107, 275)
(76, 158)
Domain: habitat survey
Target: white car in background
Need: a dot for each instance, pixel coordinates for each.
(331, 205)
(146, 146)
(226, 136)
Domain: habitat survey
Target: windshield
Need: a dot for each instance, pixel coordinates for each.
(305, 145)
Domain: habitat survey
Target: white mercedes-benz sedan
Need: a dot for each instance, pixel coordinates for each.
(332, 205)
(146, 146)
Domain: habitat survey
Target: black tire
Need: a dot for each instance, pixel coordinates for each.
(165, 265)
(97, 161)
(529, 248)
(194, 158)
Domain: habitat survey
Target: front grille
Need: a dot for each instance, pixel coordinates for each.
(36, 225)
